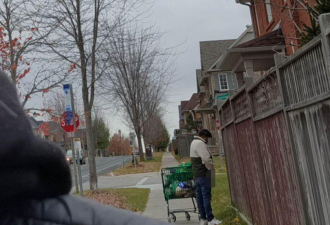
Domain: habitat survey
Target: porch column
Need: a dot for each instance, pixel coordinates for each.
(248, 64)
(239, 79)
(249, 72)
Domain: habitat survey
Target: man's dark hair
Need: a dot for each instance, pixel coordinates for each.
(205, 133)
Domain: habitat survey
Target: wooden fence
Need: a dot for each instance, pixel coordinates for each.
(184, 144)
(276, 137)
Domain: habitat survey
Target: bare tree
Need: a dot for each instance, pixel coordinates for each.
(20, 38)
(54, 104)
(139, 74)
(80, 31)
(152, 129)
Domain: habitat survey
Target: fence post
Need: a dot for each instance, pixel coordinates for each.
(324, 21)
(278, 58)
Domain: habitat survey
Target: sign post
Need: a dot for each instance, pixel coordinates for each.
(75, 122)
(218, 125)
(69, 124)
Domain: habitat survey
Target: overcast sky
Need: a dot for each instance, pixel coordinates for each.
(187, 22)
(192, 21)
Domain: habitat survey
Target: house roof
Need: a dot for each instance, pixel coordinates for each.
(207, 108)
(193, 102)
(263, 48)
(210, 51)
(34, 123)
(198, 77)
(247, 35)
(53, 127)
(270, 39)
(183, 104)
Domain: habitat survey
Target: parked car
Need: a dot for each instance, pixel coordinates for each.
(82, 156)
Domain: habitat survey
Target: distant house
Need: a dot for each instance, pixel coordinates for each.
(192, 120)
(35, 124)
(210, 83)
(249, 60)
(181, 117)
(53, 132)
(215, 84)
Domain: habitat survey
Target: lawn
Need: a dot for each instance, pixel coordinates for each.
(221, 202)
(220, 164)
(133, 199)
(147, 166)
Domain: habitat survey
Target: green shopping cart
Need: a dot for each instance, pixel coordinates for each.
(178, 183)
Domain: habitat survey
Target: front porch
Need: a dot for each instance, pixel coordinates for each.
(250, 60)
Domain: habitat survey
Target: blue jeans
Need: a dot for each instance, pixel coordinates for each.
(203, 197)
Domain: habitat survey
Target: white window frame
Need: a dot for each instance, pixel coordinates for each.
(278, 25)
(219, 77)
(269, 11)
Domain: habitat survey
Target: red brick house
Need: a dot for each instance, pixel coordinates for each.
(288, 15)
(53, 132)
(181, 117)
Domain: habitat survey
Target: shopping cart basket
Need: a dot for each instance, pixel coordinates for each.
(178, 183)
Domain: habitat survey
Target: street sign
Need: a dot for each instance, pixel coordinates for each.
(132, 139)
(223, 97)
(68, 103)
(218, 124)
(70, 134)
(67, 97)
(66, 125)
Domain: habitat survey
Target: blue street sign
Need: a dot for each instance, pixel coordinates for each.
(68, 105)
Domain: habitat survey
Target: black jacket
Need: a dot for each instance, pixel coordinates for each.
(35, 178)
(65, 210)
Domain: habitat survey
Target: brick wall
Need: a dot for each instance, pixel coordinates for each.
(281, 14)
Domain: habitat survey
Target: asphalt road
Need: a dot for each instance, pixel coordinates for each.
(104, 165)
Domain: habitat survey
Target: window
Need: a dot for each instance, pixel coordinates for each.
(269, 11)
(223, 82)
(277, 26)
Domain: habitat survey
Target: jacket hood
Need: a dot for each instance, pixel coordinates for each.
(30, 168)
(199, 138)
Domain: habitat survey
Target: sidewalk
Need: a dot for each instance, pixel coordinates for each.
(157, 208)
(141, 180)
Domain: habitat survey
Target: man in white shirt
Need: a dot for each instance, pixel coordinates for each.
(204, 172)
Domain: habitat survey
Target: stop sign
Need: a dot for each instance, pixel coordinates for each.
(67, 125)
(218, 124)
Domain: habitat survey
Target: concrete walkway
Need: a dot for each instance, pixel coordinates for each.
(141, 180)
(157, 208)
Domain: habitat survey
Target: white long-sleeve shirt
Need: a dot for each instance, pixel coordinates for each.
(199, 149)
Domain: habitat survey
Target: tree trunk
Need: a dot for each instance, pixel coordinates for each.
(138, 134)
(91, 150)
